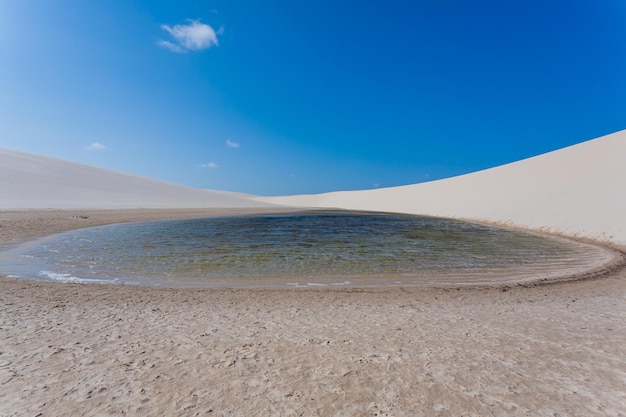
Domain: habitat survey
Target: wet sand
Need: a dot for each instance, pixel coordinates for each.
(70, 349)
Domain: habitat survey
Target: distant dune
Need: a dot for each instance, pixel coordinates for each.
(30, 181)
(579, 190)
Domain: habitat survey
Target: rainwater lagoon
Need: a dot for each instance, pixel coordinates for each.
(312, 248)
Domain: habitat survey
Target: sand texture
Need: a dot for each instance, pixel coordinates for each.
(511, 350)
(78, 350)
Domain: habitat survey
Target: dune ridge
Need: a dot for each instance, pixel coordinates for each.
(577, 191)
(32, 181)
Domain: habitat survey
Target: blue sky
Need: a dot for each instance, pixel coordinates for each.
(284, 97)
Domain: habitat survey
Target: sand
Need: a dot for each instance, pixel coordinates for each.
(577, 191)
(71, 349)
(512, 350)
(32, 181)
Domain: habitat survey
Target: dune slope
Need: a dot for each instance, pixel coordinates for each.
(37, 182)
(578, 190)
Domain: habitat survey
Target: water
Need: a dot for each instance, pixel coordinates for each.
(297, 249)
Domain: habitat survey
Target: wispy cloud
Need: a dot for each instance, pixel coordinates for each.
(232, 144)
(209, 165)
(171, 46)
(95, 146)
(193, 36)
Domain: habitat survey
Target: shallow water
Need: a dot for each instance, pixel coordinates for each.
(306, 248)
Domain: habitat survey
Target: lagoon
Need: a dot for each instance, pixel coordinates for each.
(302, 249)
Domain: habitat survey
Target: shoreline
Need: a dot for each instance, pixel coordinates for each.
(21, 226)
(518, 349)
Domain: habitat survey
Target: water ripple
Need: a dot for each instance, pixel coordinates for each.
(297, 249)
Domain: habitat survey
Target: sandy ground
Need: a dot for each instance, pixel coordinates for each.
(88, 350)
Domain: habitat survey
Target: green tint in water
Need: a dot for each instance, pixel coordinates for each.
(308, 246)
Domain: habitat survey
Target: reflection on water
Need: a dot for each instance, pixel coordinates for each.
(328, 247)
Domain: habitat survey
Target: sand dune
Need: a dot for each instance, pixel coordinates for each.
(38, 182)
(493, 351)
(578, 190)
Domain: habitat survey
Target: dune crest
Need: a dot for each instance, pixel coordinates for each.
(578, 190)
(37, 182)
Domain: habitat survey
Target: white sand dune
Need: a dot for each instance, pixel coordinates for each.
(37, 182)
(579, 190)
(129, 350)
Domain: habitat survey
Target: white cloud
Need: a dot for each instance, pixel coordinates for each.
(209, 165)
(194, 36)
(171, 46)
(232, 144)
(96, 146)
